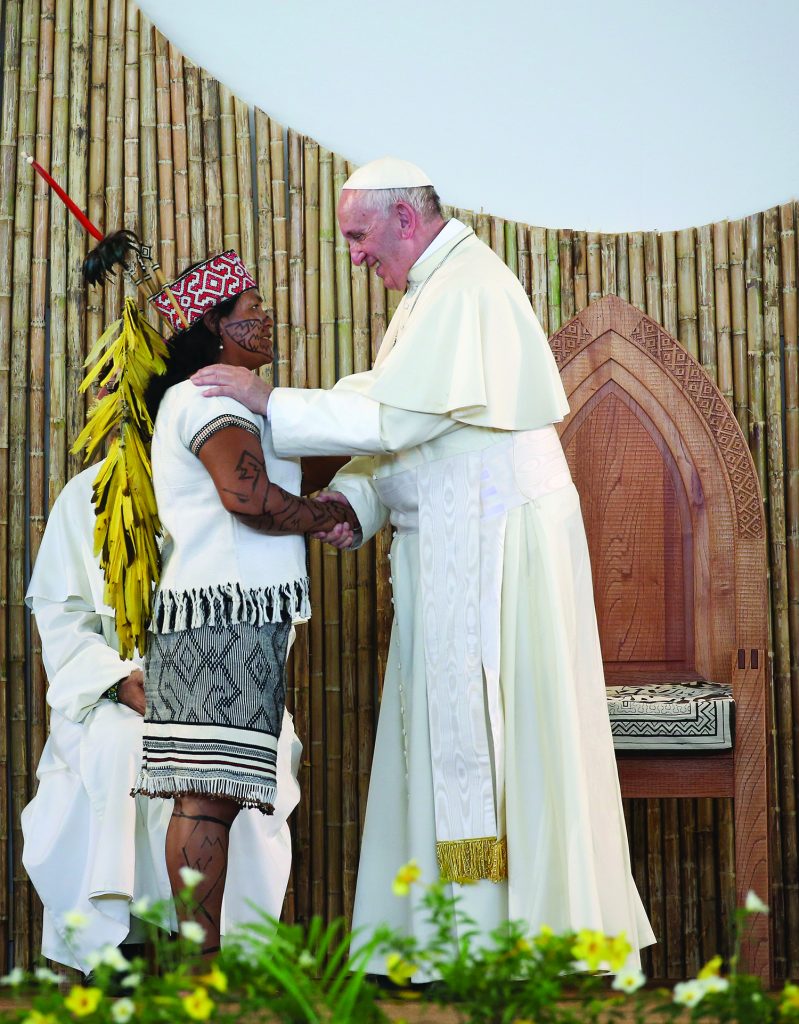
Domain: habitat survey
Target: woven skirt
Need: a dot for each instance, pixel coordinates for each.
(215, 697)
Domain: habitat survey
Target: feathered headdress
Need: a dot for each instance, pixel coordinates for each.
(129, 353)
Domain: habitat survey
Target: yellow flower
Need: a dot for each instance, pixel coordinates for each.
(399, 970)
(215, 979)
(789, 1004)
(616, 951)
(590, 948)
(37, 1017)
(545, 933)
(711, 968)
(82, 1001)
(406, 876)
(522, 946)
(198, 1005)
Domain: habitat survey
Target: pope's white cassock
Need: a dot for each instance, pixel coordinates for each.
(494, 757)
(88, 845)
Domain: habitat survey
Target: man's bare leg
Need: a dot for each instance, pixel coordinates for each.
(197, 837)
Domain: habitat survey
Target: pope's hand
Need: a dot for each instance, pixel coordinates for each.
(234, 382)
(342, 535)
(130, 691)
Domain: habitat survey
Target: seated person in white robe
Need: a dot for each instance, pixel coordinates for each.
(88, 845)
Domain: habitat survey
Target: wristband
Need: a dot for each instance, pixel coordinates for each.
(112, 693)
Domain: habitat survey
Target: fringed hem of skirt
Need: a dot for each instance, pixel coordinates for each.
(246, 794)
(227, 604)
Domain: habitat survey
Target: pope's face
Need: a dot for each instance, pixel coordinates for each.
(375, 238)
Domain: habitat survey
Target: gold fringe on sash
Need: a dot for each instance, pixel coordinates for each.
(469, 860)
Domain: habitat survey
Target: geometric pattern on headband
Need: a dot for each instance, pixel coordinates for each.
(203, 287)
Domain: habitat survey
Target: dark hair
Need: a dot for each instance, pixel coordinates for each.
(189, 351)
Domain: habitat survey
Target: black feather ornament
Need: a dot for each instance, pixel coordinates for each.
(111, 252)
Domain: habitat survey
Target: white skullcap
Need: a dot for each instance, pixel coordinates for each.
(387, 172)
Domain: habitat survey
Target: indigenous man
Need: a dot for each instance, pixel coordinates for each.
(494, 758)
(89, 846)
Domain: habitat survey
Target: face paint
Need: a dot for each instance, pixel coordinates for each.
(251, 335)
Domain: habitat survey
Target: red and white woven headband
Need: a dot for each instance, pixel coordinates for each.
(201, 288)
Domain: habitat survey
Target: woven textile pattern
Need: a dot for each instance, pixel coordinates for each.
(203, 287)
(215, 699)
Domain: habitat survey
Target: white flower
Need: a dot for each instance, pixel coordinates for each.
(93, 959)
(689, 993)
(191, 878)
(131, 981)
(140, 907)
(75, 920)
(47, 976)
(14, 978)
(628, 979)
(306, 959)
(192, 931)
(112, 957)
(715, 984)
(754, 904)
(122, 1010)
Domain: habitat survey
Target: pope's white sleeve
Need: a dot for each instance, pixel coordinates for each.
(307, 421)
(355, 482)
(79, 663)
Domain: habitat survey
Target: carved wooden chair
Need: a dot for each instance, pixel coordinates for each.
(676, 532)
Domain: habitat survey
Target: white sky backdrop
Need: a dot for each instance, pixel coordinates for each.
(606, 115)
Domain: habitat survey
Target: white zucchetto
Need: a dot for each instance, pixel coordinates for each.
(387, 172)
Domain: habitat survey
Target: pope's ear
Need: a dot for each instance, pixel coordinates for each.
(406, 216)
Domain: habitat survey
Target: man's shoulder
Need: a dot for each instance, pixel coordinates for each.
(78, 488)
(474, 266)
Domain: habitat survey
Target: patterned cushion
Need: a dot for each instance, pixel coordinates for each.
(691, 716)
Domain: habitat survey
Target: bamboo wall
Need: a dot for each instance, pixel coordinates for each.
(144, 139)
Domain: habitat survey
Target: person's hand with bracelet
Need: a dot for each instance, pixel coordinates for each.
(129, 691)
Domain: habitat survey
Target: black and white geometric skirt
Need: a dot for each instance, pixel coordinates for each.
(215, 697)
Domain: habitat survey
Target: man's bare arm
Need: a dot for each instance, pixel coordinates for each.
(235, 461)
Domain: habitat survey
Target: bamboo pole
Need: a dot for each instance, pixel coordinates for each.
(166, 167)
(622, 268)
(656, 907)
(9, 168)
(58, 258)
(114, 142)
(553, 281)
(721, 284)
(707, 879)
(482, 227)
(266, 246)
(214, 218)
(511, 255)
(725, 833)
(76, 236)
(523, 255)
(566, 275)
(675, 958)
(498, 236)
(668, 290)
(280, 255)
(608, 264)
(538, 277)
(654, 301)
(97, 117)
(132, 181)
(148, 145)
(594, 258)
(786, 707)
(180, 159)
(580, 260)
(754, 346)
(689, 888)
(229, 170)
(296, 266)
(244, 168)
(20, 316)
(788, 263)
(740, 369)
(465, 216)
(37, 419)
(707, 301)
(637, 274)
(200, 245)
(687, 331)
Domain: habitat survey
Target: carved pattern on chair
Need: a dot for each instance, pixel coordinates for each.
(651, 337)
(567, 342)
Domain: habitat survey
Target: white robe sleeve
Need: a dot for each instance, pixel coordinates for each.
(78, 660)
(354, 481)
(342, 422)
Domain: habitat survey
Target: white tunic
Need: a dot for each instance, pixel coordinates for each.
(493, 397)
(90, 846)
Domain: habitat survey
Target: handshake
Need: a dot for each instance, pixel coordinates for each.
(342, 535)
